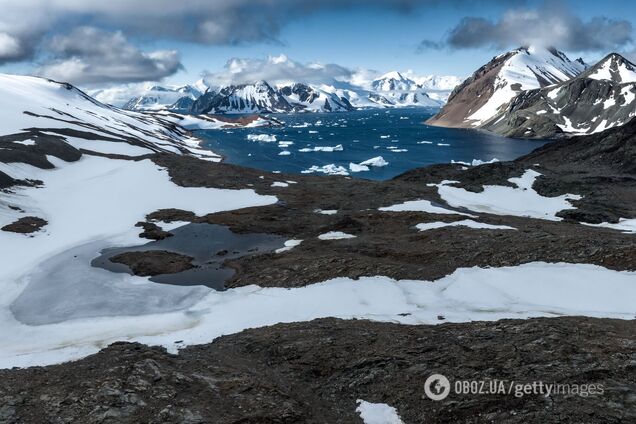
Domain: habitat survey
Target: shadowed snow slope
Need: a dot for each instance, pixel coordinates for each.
(36, 106)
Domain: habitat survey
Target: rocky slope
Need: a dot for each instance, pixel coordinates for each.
(483, 95)
(317, 372)
(600, 98)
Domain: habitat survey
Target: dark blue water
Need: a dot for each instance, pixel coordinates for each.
(397, 135)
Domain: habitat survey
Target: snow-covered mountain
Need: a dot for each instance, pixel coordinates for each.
(599, 98)
(52, 113)
(243, 98)
(438, 87)
(178, 99)
(400, 91)
(488, 91)
(390, 90)
(306, 98)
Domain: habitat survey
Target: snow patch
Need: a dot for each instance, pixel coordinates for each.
(377, 413)
(463, 223)
(335, 235)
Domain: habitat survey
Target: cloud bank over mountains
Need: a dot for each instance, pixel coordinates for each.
(277, 70)
(550, 25)
(88, 55)
(95, 42)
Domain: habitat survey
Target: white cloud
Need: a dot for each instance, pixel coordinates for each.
(549, 25)
(90, 56)
(9, 46)
(276, 70)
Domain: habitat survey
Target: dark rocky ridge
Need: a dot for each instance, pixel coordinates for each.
(314, 372)
(581, 102)
(469, 96)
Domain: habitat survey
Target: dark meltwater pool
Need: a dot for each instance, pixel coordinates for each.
(210, 245)
(339, 139)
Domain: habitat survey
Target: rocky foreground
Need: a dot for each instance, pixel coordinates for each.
(315, 372)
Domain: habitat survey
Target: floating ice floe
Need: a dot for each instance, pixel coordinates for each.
(284, 153)
(377, 413)
(475, 162)
(261, 137)
(354, 167)
(335, 235)
(463, 223)
(522, 200)
(377, 161)
(337, 148)
(284, 144)
(330, 169)
(326, 211)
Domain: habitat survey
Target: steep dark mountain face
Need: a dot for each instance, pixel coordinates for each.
(488, 91)
(303, 91)
(244, 98)
(471, 95)
(183, 105)
(613, 150)
(601, 97)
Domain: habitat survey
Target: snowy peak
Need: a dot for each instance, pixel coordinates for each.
(307, 98)
(156, 98)
(613, 67)
(535, 67)
(489, 90)
(393, 81)
(394, 89)
(243, 98)
(602, 97)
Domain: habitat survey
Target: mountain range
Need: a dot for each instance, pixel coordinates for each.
(393, 89)
(533, 92)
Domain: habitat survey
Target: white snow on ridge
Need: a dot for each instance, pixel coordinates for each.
(501, 200)
(519, 73)
(40, 103)
(470, 294)
(377, 413)
(469, 223)
(627, 226)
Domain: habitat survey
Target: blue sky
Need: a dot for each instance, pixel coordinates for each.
(380, 37)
